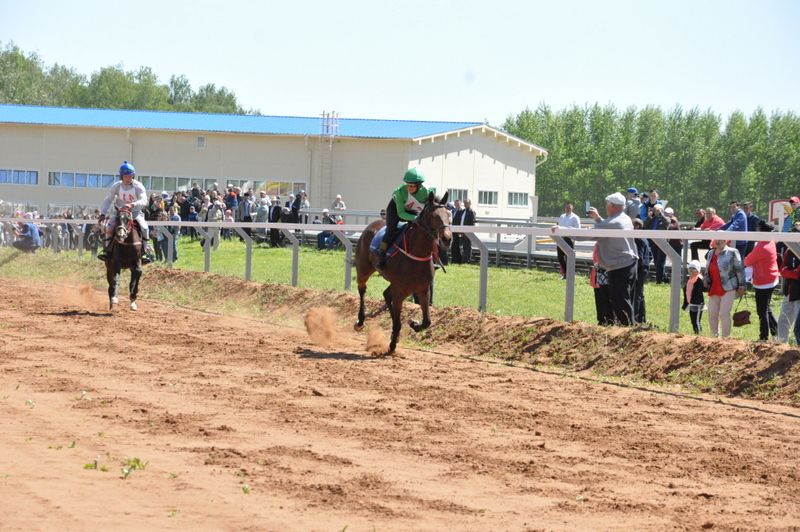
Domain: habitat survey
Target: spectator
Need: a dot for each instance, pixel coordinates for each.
(618, 257)
(455, 244)
(723, 281)
(711, 222)
(245, 211)
(212, 212)
(383, 216)
(764, 261)
(738, 222)
(325, 239)
(598, 280)
(693, 299)
(175, 217)
(28, 239)
(792, 216)
(649, 201)
(633, 205)
(642, 269)
(790, 308)
(674, 225)
(568, 220)
(658, 221)
(192, 218)
(262, 216)
(466, 216)
(159, 234)
(231, 200)
(275, 235)
(226, 231)
(699, 218)
(338, 204)
(752, 224)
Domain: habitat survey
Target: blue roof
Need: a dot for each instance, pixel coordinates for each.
(264, 125)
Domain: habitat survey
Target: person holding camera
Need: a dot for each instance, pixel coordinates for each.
(724, 280)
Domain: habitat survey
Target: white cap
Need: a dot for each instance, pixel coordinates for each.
(325, 211)
(669, 210)
(616, 199)
(694, 265)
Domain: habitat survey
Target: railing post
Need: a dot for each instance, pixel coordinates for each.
(484, 276)
(569, 298)
(248, 252)
(295, 253)
(675, 283)
(497, 249)
(348, 258)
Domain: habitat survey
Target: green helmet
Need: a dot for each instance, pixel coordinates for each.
(414, 176)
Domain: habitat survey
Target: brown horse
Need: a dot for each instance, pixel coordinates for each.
(126, 252)
(410, 269)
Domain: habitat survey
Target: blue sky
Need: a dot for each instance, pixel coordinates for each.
(435, 60)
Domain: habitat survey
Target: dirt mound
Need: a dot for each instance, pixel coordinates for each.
(724, 366)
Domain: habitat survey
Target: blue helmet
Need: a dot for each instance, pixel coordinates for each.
(126, 169)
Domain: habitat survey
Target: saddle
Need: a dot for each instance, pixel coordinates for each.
(378, 238)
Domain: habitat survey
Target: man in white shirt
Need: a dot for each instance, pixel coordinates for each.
(567, 220)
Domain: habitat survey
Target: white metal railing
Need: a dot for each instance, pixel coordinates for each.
(345, 232)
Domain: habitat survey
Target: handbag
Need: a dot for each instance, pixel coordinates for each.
(741, 317)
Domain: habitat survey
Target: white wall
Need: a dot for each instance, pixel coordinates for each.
(477, 162)
(364, 171)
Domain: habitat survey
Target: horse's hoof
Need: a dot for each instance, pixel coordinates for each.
(133, 305)
(358, 326)
(418, 326)
(114, 301)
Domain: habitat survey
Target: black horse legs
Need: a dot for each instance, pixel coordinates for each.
(423, 297)
(136, 273)
(361, 312)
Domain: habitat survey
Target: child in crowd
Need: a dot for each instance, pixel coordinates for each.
(226, 233)
(693, 298)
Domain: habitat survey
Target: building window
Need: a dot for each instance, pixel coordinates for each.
(487, 197)
(201, 143)
(19, 177)
(457, 194)
(517, 199)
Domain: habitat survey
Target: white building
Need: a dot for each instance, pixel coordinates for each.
(52, 158)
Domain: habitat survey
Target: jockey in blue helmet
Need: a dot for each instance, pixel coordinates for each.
(130, 193)
(407, 202)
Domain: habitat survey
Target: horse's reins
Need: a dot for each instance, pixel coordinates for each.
(434, 256)
(130, 227)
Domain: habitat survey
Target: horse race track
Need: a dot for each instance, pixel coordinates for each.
(247, 424)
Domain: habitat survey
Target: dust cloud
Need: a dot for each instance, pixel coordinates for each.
(377, 342)
(82, 296)
(321, 325)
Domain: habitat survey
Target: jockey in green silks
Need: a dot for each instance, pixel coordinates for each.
(407, 202)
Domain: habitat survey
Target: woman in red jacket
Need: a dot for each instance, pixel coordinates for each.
(764, 261)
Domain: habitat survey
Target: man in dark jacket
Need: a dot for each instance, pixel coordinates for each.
(274, 216)
(462, 248)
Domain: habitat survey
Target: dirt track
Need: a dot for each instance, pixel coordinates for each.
(327, 438)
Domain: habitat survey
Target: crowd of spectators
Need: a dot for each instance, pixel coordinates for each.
(621, 265)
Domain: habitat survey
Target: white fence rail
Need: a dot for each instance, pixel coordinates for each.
(531, 231)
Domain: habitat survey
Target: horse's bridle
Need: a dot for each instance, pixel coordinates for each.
(428, 228)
